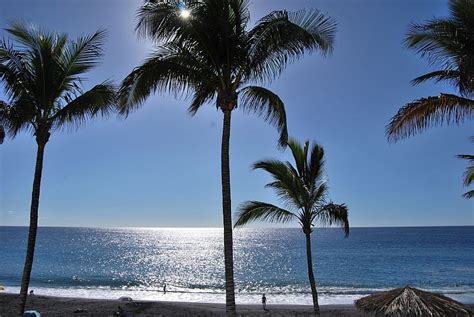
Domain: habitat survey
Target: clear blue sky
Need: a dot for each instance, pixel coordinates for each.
(160, 167)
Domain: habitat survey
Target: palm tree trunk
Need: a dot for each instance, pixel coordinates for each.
(227, 213)
(25, 281)
(314, 291)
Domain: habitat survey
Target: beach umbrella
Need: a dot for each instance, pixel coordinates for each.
(411, 302)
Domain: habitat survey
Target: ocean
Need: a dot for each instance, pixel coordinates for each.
(137, 262)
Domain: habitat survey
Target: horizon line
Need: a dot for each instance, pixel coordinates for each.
(236, 229)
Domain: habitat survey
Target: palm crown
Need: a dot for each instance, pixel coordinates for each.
(302, 189)
(41, 78)
(449, 44)
(212, 56)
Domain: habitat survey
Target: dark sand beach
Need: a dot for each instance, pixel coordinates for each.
(69, 306)
(64, 306)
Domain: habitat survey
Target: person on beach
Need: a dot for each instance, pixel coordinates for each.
(264, 302)
(164, 288)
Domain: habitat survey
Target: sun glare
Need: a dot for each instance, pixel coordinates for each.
(185, 13)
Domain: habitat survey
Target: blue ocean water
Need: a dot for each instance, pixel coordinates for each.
(108, 263)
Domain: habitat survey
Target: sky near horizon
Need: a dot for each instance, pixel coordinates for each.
(161, 168)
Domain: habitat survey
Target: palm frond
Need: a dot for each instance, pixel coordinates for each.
(300, 154)
(318, 196)
(468, 157)
(84, 53)
(268, 105)
(287, 185)
(99, 100)
(239, 15)
(28, 35)
(316, 165)
(174, 69)
(427, 112)
(14, 73)
(277, 169)
(436, 40)
(468, 174)
(17, 117)
(77, 57)
(203, 93)
(3, 110)
(256, 210)
(449, 75)
(155, 74)
(333, 214)
(469, 194)
(160, 21)
(282, 37)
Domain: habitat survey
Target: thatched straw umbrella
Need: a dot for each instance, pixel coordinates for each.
(411, 302)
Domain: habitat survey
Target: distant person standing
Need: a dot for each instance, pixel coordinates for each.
(164, 288)
(264, 302)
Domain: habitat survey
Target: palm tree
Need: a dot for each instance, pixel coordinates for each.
(447, 43)
(208, 54)
(469, 174)
(42, 79)
(303, 190)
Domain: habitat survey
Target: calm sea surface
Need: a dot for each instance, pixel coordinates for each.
(108, 263)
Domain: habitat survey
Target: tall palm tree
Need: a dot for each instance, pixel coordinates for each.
(211, 56)
(449, 44)
(469, 174)
(41, 76)
(302, 189)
